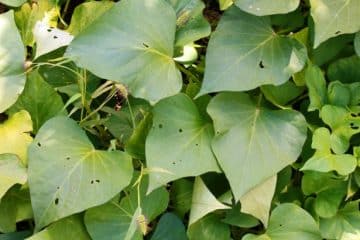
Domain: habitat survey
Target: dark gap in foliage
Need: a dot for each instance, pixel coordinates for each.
(3, 8)
(3, 117)
(67, 11)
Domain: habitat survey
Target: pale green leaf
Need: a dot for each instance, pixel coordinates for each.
(244, 53)
(16, 132)
(316, 84)
(324, 160)
(203, 202)
(267, 7)
(179, 142)
(137, 51)
(257, 201)
(289, 221)
(209, 227)
(267, 140)
(11, 172)
(13, 3)
(68, 175)
(225, 4)
(334, 17)
(12, 75)
(190, 22)
(67, 228)
(39, 99)
(87, 13)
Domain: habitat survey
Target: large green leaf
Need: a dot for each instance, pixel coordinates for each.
(324, 160)
(39, 99)
(209, 228)
(267, 7)
(191, 24)
(181, 195)
(266, 140)
(203, 202)
(334, 17)
(68, 228)
(346, 70)
(11, 172)
(16, 132)
(178, 144)
(244, 53)
(289, 221)
(137, 44)
(169, 227)
(12, 59)
(68, 175)
(346, 222)
(121, 220)
(257, 201)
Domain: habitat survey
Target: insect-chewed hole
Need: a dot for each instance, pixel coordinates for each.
(196, 144)
(56, 201)
(173, 163)
(92, 182)
(145, 45)
(180, 130)
(337, 32)
(97, 180)
(355, 127)
(55, 37)
(57, 188)
(67, 158)
(261, 64)
(160, 125)
(39, 144)
(49, 29)
(353, 115)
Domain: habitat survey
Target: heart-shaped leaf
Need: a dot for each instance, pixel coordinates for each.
(169, 227)
(137, 43)
(267, 7)
(266, 140)
(11, 172)
(12, 59)
(333, 18)
(68, 175)
(290, 222)
(178, 144)
(325, 161)
(244, 53)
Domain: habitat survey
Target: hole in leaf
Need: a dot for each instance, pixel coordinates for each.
(180, 130)
(337, 32)
(145, 45)
(67, 158)
(49, 29)
(355, 127)
(58, 188)
(261, 65)
(196, 144)
(353, 115)
(160, 125)
(92, 182)
(56, 201)
(55, 37)
(280, 225)
(39, 144)
(173, 163)
(97, 180)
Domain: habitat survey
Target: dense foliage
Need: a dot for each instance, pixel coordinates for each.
(180, 119)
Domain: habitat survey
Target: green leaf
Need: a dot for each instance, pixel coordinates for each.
(67, 228)
(203, 202)
(118, 220)
(21, 235)
(316, 84)
(68, 175)
(257, 201)
(290, 222)
(11, 172)
(209, 228)
(137, 51)
(87, 13)
(333, 18)
(12, 75)
(236, 218)
(181, 196)
(339, 94)
(16, 132)
(357, 43)
(282, 94)
(225, 4)
(178, 144)
(190, 22)
(346, 70)
(39, 99)
(325, 161)
(344, 124)
(329, 190)
(8, 212)
(346, 221)
(13, 3)
(169, 227)
(267, 140)
(244, 53)
(267, 7)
